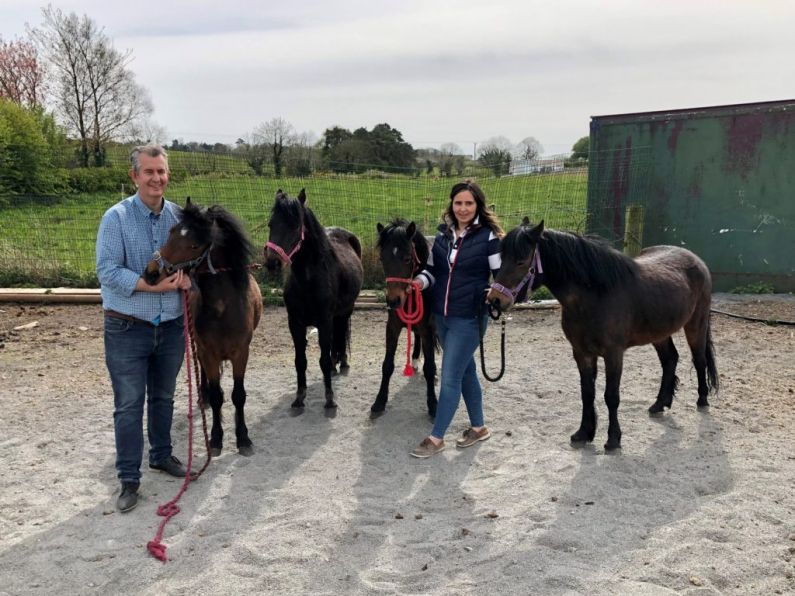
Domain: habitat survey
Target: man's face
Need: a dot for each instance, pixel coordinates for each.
(151, 177)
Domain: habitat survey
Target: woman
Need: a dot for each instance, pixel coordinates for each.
(466, 252)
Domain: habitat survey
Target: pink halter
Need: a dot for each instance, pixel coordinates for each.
(286, 257)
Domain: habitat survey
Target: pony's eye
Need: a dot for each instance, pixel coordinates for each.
(194, 246)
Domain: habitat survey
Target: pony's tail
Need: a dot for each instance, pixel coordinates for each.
(712, 370)
(348, 337)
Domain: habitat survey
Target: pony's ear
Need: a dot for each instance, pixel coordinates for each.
(187, 201)
(279, 194)
(410, 229)
(302, 196)
(536, 232)
(525, 221)
(379, 227)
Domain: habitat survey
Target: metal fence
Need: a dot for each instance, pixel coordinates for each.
(48, 241)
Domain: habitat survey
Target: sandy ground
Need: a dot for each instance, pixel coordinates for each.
(695, 502)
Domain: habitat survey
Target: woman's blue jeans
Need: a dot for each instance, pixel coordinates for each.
(460, 338)
(143, 361)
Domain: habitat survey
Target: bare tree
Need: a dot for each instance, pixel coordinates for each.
(276, 134)
(94, 91)
(22, 75)
(529, 148)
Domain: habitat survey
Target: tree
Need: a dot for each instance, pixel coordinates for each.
(26, 151)
(581, 148)
(529, 148)
(22, 74)
(383, 146)
(94, 92)
(300, 155)
(496, 154)
(275, 135)
(450, 155)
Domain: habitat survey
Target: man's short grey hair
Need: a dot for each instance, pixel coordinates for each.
(152, 150)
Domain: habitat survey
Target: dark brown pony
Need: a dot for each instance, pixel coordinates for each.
(611, 302)
(324, 279)
(225, 304)
(404, 251)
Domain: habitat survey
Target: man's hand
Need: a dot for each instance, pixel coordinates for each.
(178, 281)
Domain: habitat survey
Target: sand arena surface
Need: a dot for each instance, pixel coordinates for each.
(695, 502)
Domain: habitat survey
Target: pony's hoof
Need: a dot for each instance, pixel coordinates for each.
(656, 409)
(330, 404)
(246, 450)
(580, 438)
(374, 414)
(612, 446)
(298, 404)
(702, 403)
(344, 369)
(215, 451)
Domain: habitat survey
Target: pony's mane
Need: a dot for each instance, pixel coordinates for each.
(568, 257)
(399, 225)
(229, 237)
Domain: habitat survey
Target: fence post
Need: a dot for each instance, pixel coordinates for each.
(633, 230)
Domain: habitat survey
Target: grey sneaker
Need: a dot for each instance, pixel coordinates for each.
(427, 448)
(472, 436)
(128, 498)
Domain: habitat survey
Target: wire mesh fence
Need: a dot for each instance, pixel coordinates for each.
(48, 241)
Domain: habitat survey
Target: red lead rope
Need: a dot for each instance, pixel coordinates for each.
(170, 509)
(411, 313)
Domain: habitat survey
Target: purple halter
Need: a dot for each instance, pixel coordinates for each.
(535, 267)
(286, 257)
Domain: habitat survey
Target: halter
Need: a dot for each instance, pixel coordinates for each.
(535, 267)
(163, 263)
(284, 256)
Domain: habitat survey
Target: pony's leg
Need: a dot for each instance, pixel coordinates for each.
(298, 332)
(587, 367)
(244, 445)
(699, 338)
(204, 395)
(416, 348)
(669, 357)
(614, 364)
(429, 366)
(339, 341)
(393, 329)
(215, 397)
(324, 331)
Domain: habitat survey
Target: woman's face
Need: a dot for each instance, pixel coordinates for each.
(464, 208)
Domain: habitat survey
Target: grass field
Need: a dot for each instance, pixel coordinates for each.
(51, 243)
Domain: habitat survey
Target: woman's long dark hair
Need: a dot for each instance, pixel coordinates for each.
(486, 216)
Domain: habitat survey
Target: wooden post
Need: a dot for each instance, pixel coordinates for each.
(633, 230)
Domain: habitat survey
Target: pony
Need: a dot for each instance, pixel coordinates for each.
(403, 252)
(611, 302)
(225, 304)
(324, 277)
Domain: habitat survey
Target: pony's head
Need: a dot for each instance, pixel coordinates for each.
(400, 257)
(518, 250)
(287, 229)
(188, 244)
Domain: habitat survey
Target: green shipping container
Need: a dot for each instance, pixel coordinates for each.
(719, 181)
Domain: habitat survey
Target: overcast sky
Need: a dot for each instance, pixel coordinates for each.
(439, 71)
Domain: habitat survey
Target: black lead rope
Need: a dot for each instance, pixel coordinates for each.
(494, 313)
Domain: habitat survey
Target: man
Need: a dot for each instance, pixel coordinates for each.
(144, 343)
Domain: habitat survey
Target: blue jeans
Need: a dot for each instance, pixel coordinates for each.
(143, 361)
(459, 338)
